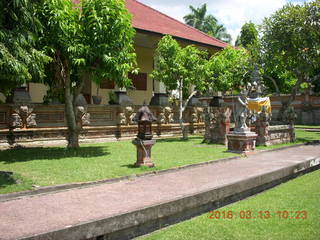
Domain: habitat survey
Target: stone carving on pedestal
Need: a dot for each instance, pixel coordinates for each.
(166, 116)
(22, 117)
(241, 113)
(241, 139)
(82, 115)
(126, 116)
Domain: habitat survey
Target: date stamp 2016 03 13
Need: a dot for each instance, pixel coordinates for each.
(262, 214)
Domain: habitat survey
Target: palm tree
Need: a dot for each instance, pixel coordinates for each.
(197, 16)
(199, 19)
(214, 29)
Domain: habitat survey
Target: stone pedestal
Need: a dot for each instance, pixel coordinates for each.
(218, 133)
(217, 125)
(240, 142)
(144, 152)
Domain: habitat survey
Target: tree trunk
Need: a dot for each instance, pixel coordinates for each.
(295, 90)
(73, 128)
(286, 105)
(274, 84)
(181, 109)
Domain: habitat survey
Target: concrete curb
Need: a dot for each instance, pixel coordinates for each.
(142, 221)
(65, 187)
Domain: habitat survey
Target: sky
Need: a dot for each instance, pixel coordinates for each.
(231, 13)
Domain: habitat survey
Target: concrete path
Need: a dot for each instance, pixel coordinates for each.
(84, 212)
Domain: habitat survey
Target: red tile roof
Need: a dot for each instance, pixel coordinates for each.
(149, 19)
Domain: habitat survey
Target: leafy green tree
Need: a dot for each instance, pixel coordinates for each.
(180, 68)
(20, 60)
(228, 69)
(199, 19)
(91, 39)
(248, 36)
(291, 43)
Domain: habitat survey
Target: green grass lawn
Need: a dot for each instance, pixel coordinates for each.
(57, 165)
(307, 126)
(299, 197)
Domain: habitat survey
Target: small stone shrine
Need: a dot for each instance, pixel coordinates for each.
(143, 141)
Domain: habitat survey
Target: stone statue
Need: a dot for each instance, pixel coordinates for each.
(83, 117)
(289, 115)
(22, 117)
(241, 113)
(256, 87)
(126, 115)
(166, 116)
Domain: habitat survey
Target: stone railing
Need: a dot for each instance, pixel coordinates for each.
(46, 122)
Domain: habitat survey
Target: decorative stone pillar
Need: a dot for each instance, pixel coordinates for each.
(289, 116)
(217, 124)
(262, 127)
(144, 152)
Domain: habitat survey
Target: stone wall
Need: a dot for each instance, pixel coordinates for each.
(106, 121)
(270, 135)
(306, 107)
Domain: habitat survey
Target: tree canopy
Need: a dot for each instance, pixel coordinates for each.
(179, 68)
(199, 19)
(291, 41)
(228, 69)
(94, 39)
(248, 36)
(20, 60)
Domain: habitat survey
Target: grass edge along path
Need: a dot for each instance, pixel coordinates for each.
(93, 162)
(288, 211)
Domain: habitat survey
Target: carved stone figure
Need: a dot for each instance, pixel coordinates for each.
(22, 117)
(241, 113)
(197, 115)
(15, 121)
(166, 116)
(83, 117)
(126, 116)
(194, 116)
(256, 88)
(200, 113)
(289, 115)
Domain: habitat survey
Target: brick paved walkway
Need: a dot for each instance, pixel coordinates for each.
(33, 215)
